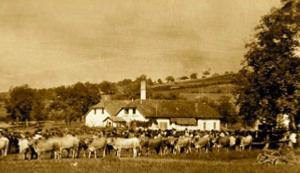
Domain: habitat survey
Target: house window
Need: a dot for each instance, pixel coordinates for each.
(95, 111)
(126, 111)
(134, 110)
(102, 110)
(204, 125)
(215, 125)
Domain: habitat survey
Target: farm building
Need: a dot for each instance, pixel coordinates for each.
(98, 113)
(168, 114)
(114, 121)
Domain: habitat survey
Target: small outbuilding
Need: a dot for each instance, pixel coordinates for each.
(114, 121)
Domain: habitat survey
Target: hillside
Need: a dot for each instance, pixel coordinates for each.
(212, 88)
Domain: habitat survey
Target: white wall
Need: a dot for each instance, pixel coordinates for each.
(95, 119)
(182, 127)
(209, 124)
(131, 116)
(199, 126)
(163, 121)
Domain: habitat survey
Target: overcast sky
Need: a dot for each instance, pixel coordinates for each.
(59, 42)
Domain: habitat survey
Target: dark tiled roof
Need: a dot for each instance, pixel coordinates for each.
(162, 108)
(111, 106)
(174, 109)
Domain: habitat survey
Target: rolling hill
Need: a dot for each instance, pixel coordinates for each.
(212, 87)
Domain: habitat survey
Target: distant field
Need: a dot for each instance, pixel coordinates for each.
(212, 88)
(197, 83)
(222, 162)
(211, 96)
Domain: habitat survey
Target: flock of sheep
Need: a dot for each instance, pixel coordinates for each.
(92, 142)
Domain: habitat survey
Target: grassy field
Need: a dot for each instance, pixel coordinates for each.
(205, 163)
(141, 165)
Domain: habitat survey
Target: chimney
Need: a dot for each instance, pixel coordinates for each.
(143, 90)
(196, 107)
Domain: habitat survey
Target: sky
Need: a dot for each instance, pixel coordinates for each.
(60, 42)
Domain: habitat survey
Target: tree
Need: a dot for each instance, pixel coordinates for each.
(228, 72)
(227, 110)
(20, 102)
(38, 108)
(159, 81)
(107, 87)
(132, 90)
(142, 77)
(170, 79)
(268, 80)
(125, 82)
(215, 75)
(206, 73)
(149, 82)
(194, 76)
(184, 78)
(73, 102)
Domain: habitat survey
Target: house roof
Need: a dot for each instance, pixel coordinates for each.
(111, 106)
(162, 108)
(115, 119)
(174, 109)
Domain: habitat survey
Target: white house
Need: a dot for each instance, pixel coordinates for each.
(169, 114)
(98, 113)
(172, 114)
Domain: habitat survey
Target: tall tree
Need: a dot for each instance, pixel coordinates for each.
(227, 110)
(38, 108)
(170, 79)
(271, 71)
(107, 87)
(159, 81)
(74, 101)
(194, 76)
(20, 103)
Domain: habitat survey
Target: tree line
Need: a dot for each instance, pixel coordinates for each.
(67, 103)
(70, 103)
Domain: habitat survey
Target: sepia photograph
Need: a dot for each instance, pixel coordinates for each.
(154, 86)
